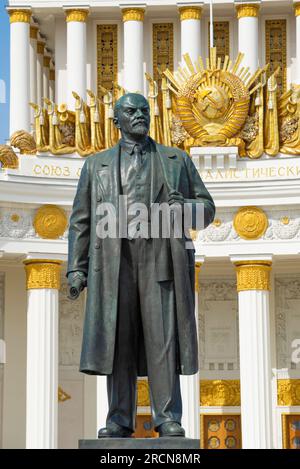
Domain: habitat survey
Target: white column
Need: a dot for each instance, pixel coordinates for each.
(52, 84)
(19, 70)
(133, 41)
(33, 68)
(102, 402)
(247, 14)
(46, 73)
(39, 71)
(43, 283)
(76, 54)
(297, 14)
(253, 285)
(190, 18)
(190, 385)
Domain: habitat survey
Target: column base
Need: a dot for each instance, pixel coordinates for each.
(140, 443)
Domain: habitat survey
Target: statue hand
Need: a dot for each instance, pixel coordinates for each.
(77, 282)
(175, 198)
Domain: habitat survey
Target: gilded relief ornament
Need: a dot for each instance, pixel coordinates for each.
(24, 141)
(250, 223)
(213, 102)
(8, 158)
(50, 222)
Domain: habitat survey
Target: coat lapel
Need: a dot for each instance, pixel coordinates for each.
(165, 171)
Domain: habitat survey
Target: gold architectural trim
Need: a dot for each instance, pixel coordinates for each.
(253, 275)
(40, 47)
(276, 50)
(250, 223)
(78, 15)
(107, 56)
(33, 32)
(133, 14)
(211, 415)
(285, 428)
(297, 9)
(46, 61)
(247, 10)
(52, 75)
(8, 158)
(288, 392)
(221, 39)
(220, 392)
(63, 395)
(143, 399)
(190, 13)
(50, 222)
(42, 273)
(197, 273)
(163, 48)
(19, 16)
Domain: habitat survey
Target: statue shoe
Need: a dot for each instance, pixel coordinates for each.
(170, 429)
(113, 430)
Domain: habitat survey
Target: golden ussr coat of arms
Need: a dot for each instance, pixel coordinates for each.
(213, 102)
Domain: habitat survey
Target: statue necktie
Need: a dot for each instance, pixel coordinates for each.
(137, 157)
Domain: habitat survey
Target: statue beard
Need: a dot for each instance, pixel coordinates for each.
(140, 129)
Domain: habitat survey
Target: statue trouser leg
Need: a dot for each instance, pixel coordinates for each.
(146, 307)
(157, 303)
(121, 384)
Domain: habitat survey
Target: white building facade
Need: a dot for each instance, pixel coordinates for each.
(247, 391)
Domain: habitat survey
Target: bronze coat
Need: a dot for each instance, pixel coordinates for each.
(100, 258)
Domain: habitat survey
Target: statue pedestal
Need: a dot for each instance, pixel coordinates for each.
(207, 158)
(140, 443)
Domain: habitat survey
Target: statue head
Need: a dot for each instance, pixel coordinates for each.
(132, 116)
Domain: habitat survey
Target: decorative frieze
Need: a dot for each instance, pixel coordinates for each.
(288, 392)
(220, 393)
(287, 315)
(270, 225)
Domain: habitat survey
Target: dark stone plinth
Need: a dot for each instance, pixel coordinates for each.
(140, 443)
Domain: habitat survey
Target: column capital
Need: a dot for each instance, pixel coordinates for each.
(133, 14)
(40, 47)
(34, 31)
(76, 14)
(19, 15)
(189, 12)
(247, 10)
(253, 274)
(42, 273)
(297, 8)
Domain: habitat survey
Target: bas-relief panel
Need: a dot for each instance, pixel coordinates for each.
(218, 325)
(282, 225)
(70, 411)
(287, 307)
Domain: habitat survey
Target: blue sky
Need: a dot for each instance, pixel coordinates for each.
(4, 73)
